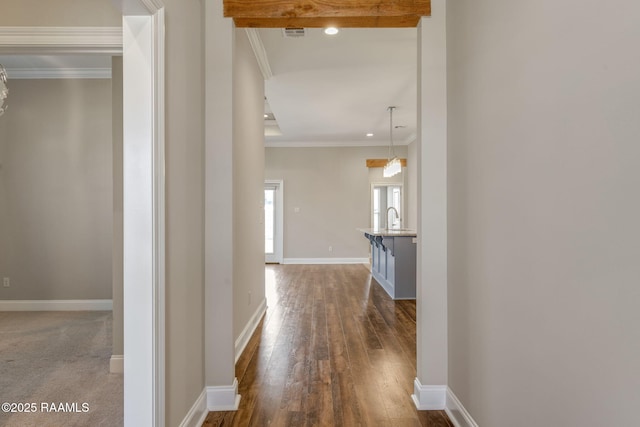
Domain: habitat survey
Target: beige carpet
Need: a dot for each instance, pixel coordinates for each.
(58, 360)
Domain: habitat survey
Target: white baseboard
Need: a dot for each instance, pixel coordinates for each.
(198, 412)
(457, 413)
(429, 397)
(57, 305)
(325, 261)
(116, 364)
(223, 398)
(248, 330)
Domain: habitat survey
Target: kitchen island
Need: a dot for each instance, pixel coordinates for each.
(393, 260)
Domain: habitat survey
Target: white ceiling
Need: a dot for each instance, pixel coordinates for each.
(333, 90)
(323, 90)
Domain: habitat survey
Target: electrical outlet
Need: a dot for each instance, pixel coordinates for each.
(6, 282)
(330, 248)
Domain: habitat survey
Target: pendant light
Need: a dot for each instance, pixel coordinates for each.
(393, 166)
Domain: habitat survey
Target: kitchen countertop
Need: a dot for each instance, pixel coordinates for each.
(401, 232)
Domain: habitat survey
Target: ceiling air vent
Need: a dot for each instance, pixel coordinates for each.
(293, 32)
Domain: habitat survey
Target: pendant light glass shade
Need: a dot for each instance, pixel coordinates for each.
(393, 167)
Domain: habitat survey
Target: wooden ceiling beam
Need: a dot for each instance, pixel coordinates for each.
(325, 13)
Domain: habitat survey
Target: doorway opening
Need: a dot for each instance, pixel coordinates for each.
(273, 221)
(143, 38)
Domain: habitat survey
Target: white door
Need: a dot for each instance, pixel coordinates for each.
(273, 221)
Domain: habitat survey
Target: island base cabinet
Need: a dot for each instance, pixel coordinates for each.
(393, 264)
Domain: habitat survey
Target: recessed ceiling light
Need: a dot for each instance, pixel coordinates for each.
(369, 134)
(331, 31)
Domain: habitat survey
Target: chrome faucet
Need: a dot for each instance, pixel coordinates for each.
(395, 211)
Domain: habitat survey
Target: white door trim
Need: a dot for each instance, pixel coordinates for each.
(278, 256)
(143, 212)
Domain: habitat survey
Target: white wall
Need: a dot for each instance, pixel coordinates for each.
(544, 107)
(431, 274)
(331, 187)
(248, 184)
(57, 13)
(411, 193)
(117, 278)
(56, 189)
(219, 199)
(184, 208)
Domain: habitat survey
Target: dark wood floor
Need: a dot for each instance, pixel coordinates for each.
(332, 350)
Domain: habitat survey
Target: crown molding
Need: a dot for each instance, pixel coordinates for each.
(60, 40)
(260, 52)
(59, 73)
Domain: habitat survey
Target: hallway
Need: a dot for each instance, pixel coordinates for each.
(332, 350)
